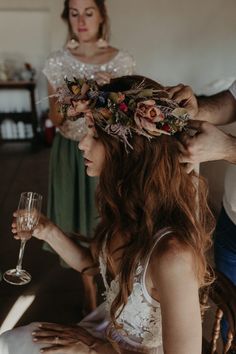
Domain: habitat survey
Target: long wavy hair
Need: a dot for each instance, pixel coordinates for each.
(104, 29)
(143, 191)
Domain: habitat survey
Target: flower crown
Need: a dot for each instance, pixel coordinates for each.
(144, 111)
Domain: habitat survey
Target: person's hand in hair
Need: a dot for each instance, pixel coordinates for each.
(185, 97)
(209, 143)
(103, 77)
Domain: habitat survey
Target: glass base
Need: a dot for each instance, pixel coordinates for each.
(17, 277)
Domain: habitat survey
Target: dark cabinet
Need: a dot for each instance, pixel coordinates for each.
(26, 118)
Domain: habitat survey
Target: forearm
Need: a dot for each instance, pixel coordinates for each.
(218, 109)
(54, 114)
(230, 149)
(76, 256)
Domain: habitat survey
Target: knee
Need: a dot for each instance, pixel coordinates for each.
(10, 338)
(4, 343)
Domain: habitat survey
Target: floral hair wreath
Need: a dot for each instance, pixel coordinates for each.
(139, 110)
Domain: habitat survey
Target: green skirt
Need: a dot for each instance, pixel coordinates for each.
(71, 193)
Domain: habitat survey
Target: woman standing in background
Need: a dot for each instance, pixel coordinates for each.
(86, 55)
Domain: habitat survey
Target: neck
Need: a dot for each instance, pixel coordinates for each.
(87, 49)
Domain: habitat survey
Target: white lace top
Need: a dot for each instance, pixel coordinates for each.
(141, 316)
(63, 64)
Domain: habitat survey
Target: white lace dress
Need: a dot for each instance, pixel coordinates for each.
(140, 318)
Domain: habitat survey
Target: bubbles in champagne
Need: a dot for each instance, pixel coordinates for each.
(26, 221)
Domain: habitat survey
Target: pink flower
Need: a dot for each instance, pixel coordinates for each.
(123, 107)
(81, 106)
(147, 109)
(147, 115)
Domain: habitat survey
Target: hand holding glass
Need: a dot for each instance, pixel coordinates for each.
(27, 218)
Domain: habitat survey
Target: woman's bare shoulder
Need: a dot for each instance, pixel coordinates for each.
(172, 255)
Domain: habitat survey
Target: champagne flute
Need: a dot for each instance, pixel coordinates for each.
(28, 214)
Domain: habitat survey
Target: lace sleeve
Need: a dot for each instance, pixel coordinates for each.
(53, 69)
(125, 64)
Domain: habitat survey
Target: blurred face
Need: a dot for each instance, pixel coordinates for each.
(85, 19)
(93, 151)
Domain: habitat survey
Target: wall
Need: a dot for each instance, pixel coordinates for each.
(173, 41)
(24, 37)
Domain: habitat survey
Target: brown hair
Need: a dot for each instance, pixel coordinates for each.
(141, 192)
(104, 30)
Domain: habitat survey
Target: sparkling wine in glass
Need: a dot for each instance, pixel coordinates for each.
(28, 214)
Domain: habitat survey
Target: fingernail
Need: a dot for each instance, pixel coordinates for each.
(33, 333)
(35, 339)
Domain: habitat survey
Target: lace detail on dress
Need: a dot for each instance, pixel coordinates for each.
(73, 130)
(141, 316)
(63, 64)
(141, 320)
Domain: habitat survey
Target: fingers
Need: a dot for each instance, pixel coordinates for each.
(180, 93)
(14, 226)
(52, 350)
(173, 90)
(103, 78)
(53, 326)
(184, 157)
(46, 333)
(77, 348)
(198, 125)
(184, 138)
(185, 97)
(189, 167)
(54, 340)
(54, 337)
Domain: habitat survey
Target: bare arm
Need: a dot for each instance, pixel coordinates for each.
(76, 256)
(209, 143)
(219, 109)
(174, 278)
(54, 114)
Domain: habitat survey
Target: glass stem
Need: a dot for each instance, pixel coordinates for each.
(21, 254)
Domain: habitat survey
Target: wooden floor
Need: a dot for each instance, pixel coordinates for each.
(57, 292)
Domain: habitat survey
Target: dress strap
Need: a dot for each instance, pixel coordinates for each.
(159, 235)
(103, 263)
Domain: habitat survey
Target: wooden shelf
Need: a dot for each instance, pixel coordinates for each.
(27, 117)
(18, 140)
(16, 116)
(17, 85)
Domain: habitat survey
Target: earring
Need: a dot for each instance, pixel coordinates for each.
(72, 44)
(102, 43)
